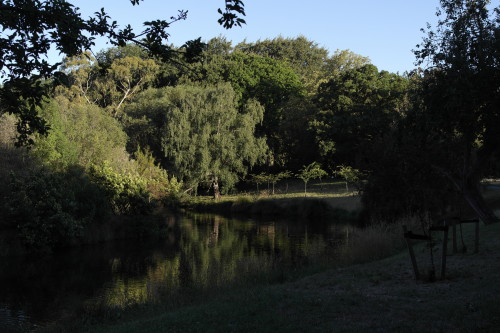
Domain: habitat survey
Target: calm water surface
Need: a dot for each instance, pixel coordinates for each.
(196, 252)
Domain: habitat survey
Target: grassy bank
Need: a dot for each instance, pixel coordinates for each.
(115, 227)
(323, 200)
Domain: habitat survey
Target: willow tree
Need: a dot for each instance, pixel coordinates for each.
(205, 136)
(271, 82)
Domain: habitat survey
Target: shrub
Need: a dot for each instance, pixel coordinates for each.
(127, 194)
(51, 209)
(156, 178)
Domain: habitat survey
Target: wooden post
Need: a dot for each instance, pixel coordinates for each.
(476, 241)
(445, 248)
(476, 244)
(444, 229)
(412, 254)
(454, 226)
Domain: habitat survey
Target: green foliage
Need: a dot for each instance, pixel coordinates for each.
(130, 74)
(31, 28)
(80, 77)
(127, 194)
(310, 61)
(269, 178)
(199, 134)
(81, 134)
(51, 209)
(350, 175)
(271, 82)
(258, 179)
(106, 57)
(311, 171)
(283, 75)
(357, 109)
(108, 84)
(268, 80)
(158, 183)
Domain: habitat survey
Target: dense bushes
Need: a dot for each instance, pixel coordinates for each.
(51, 209)
(127, 194)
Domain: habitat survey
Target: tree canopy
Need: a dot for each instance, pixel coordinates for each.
(203, 135)
(357, 107)
(31, 28)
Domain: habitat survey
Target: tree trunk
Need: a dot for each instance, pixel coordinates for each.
(215, 184)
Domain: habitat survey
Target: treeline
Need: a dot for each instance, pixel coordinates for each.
(129, 131)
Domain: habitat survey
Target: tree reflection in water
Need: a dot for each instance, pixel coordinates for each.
(198, 253)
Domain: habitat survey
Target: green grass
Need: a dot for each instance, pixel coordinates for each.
(379, 296)
(326, 200)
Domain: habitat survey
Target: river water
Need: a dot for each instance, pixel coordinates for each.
(196, 253)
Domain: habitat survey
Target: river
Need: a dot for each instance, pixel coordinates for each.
(196, 253)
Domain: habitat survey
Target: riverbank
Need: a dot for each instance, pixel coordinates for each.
(116, 227)
(381, 295)
(334, 207)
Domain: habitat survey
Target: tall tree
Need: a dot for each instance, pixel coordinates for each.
(271, 82)
(30, 28)
(204, 136)
(303, 55)
(80, 76)
(312, 62)
(131, 74)
(81, 134)
(356, 109)
(108, 85)
(459, 113)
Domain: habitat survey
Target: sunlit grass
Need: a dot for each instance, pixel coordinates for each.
(288, 199)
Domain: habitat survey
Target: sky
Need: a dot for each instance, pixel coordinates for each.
(386, 31)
